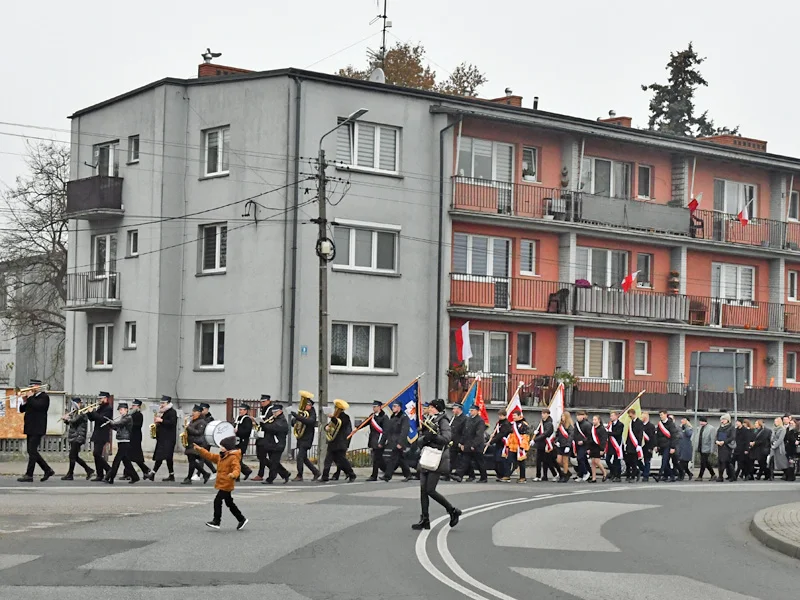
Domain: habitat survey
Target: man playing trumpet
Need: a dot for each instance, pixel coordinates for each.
(35, 404)
(101, 435)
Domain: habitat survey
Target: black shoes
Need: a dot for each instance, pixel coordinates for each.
(206, 477)
(67, 477)
(188, 481)
(47, 475)
(454, 516)
(89, 474)
(171, 477)
(351, 478)
(25, 479)
(211, 524)
(241, 524)
(372, 479)
(424, 523)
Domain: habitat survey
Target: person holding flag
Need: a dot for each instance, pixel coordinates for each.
(519, 442)
(457, 423)
(396, 438)
(377, 422)
(616, 429)
(634, 446)
(649, 435)
(597, 448)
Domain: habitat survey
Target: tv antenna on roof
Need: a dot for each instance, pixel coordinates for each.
(381, 55)
(208, 55)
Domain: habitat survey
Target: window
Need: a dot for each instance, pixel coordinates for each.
(133, 242)
(482, 159)
(214, 248)
(490, 354)
(791, 292)
(356, 346)
(527, 258)
(369, 146)
(794, 206)
(791, 367)
(211, 350)
(641, 355)
(606, 177)
(480, 255)
(525, 348)
(748, 361)
(130, 335)
(732, 282)
(530, 163)
(104, 254)
(217, 148)
(602, 267)
(644, 264)
(102, 346)
(600, 359)
(731, 197)
(106, 159)
(133, 149)
(366, 249)
(643, 182)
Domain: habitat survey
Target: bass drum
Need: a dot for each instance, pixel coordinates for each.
(216, 431)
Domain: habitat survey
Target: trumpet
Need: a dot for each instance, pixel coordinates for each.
(20, 391)
(300, 427)
(84, 409)
(427, 422)
(335, 425)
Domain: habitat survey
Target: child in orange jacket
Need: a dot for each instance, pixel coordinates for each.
(227, 462)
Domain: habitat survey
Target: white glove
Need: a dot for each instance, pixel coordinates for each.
(260, 435)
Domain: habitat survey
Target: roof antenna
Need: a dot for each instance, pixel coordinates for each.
(378, 75)
(208, 55)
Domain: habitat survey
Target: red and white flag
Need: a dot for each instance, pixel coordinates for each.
(627, 283)
(556, 410)
(463, 349)
(481, 404)
(695, 202)
(743, 217)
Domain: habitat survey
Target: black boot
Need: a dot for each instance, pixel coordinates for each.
(454, 516)
(424, 523)
(170, 477)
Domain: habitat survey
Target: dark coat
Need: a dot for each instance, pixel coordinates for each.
(762, 438)
(307, 439)
(275, 433)
(101, 435)
(123, 428)
(137, 422)
(376, 429)
(243, 426)
(340, 442)
(264, 414)
(457, 429)
(743, 437)
(35, 410)
(196, 431)
(166, 433)
(727, 436)
(583, 433)
(78, 426)
(617, 431)
(685, 451)
(637, 430)
(650, 441)
(564, 443)
(501, 432)
(602, 438)
(790, 442)
(439, 441)
(396, 431)
(473, 437)
(544, 431)
(666, 442)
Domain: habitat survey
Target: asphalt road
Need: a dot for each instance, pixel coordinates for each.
(338, 541)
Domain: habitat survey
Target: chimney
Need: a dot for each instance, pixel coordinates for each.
(737, 141)
(208, 69)
(613, 119)
(536, 103)
(509, 98)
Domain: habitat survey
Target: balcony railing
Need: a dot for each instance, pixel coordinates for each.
(536, 295)
(93, 290)
(534, 201)
(95, 197)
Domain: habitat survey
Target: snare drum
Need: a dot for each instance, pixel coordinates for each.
(216, 431)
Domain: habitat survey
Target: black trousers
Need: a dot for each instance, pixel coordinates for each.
(377, 462)
(545, 461)
(261, 454)
(34, 458)
(136, 457)
(706, 465)
(428, 481)
(304, 461)
(395, 459)
(340, 458)
(122, 456)
(227, 497)
(633, 467)
(170, 467)
(75, 458)
(242, 446)
(684, 469)
(455, 457)
(763, 467)
(726, 469)
(467, 460)
(614, 464)
(521, 465)
(210, 465)
(195, 464)
(275, 466)
(101, 465)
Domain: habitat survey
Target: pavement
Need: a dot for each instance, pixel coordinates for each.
(778, 527)
(353, 541)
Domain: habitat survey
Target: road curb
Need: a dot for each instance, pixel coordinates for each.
(771, 538)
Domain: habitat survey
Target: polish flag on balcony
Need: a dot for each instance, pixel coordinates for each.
(463, 349)
(695, 203)
(743, 217)
(627, 283)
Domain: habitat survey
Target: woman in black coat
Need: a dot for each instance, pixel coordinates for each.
(439, 438)
(565, 433)
(76, 437)
(196, 433)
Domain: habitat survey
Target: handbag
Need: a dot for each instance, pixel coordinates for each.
(430, 459)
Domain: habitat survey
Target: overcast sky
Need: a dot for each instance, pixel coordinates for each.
(581, 58)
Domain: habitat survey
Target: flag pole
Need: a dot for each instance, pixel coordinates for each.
(497, 426)
(639, 395)
(366, 421)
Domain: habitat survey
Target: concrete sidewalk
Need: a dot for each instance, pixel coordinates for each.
(778, 527)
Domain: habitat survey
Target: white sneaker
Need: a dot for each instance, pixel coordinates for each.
(537, 479)
(575, 478)
(196, 477)
(213, 477)
(585, 477)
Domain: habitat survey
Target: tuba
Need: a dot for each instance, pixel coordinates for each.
(185, 433)
(335, 425)
(299, 427)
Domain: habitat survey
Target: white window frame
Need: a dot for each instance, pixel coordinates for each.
(215, 364)
(793, 362)
(350, 251)
(371, 367)
(113, 158)
(130, 335)
(223, 153)
(489, 257)
(608, 282)
(606, 358)
(107, 336)
(794, 201)
(649, 194)
(218, 266)
(646, 346)
(108, 263)
(495, 146)
(535, 151)
(133, 243)
(133, 149)
(739, 299)
(531, 365)
(353, 132)
(650, 259)
(752, 207)
(593, 170)
(532, 272)
(792, 284)
(749, 351)
(486, 367)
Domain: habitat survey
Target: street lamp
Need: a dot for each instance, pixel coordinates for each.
(325, 252)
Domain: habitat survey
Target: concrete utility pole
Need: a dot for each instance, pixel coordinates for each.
(325, 251)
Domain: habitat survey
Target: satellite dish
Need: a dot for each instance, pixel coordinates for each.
(378, 76)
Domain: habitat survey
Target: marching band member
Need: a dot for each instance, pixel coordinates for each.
(264, 415)
(649, 434)
(377, 424)
(207, 417)
(166, 431)
(634, 448)
(135, 452)
(545, 459)
(615, 430)
(243, 426)
(583, 434)
(35, 405)
(457, 423)
(122, 426)
(76, 437)
(519, 442)
(196, 434)
(337, 448)
(305, 441)
(564, 437)
(435, 434)
(228, 461)
(101, 435)
(597, 448)
(275, 443)
(395, 438)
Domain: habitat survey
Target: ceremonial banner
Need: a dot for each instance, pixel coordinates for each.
(370, 419)
(626, 420)
(410, 402)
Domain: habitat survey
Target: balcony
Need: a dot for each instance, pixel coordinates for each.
(538, 296)
(93, 291)
(556, 204)
(94, 198)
